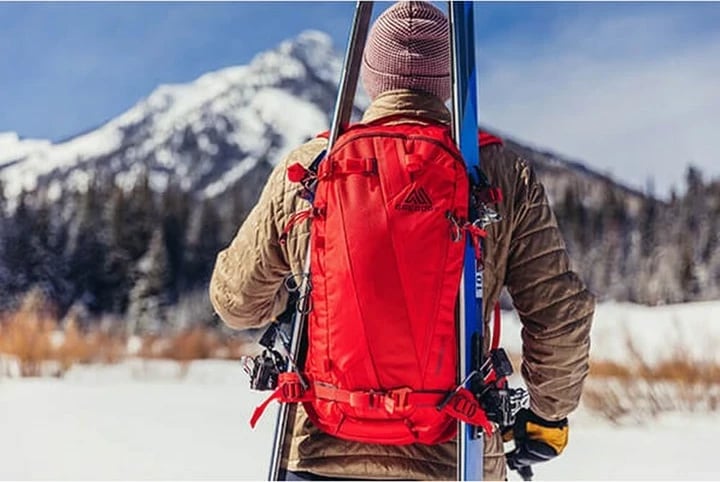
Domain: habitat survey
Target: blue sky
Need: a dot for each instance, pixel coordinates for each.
(609, 83)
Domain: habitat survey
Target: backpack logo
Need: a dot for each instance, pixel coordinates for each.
(416, 200)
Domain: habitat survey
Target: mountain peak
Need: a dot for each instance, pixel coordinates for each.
(312, 41)
(205, 134)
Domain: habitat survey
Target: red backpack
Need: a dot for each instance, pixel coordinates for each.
(387, 238)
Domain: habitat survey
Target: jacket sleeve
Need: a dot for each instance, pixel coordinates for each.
(245, 288)
(555, 307)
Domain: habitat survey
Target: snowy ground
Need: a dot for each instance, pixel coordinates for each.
(654, 331)
(141, 421)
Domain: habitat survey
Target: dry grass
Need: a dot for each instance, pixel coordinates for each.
(34, 342)
(93, 345)
(191, 344)
(640, 389)
(26, 335)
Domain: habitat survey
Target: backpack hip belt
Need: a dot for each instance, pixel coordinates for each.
(459, 403)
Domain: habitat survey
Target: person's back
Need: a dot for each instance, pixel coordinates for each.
(406, 73)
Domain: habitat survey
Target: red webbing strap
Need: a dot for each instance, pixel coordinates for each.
(476, 233)
(496, 327)
(463, 406)
(294, 219)
(289, 390)
(485, 139)
(391, 401)
(260, 409)
(348, 166)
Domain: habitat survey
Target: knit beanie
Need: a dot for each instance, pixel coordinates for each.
(408, 48)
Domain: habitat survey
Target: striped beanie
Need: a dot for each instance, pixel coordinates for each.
(408, 48)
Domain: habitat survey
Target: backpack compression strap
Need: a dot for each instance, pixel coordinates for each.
(460, 404)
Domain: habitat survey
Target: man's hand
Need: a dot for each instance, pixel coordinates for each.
(536, 440)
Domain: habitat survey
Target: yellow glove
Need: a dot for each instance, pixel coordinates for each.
(536, 440)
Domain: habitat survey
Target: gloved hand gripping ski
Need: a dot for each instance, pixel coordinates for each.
(536, 440)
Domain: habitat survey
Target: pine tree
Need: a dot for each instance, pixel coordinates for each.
(130, 230)
(88, 250)
(18, 250)
(5, 273)
(202, 244)
(649, 226)
(149, 295)
(49, 236)
(133, 218)
(174, 210)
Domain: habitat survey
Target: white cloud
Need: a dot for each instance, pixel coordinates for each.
(636, 96)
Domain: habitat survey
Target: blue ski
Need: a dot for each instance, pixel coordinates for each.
(470, 330)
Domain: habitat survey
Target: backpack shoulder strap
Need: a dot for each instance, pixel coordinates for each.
(485, 139)
(386, 120)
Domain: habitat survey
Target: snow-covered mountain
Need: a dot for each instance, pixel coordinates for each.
(225, 126)
(205, 135)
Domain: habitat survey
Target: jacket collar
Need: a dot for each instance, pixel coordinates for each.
(407, 102)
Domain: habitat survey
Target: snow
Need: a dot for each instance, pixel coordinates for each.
(655, 332)
(230, 177)
(131, 423)
(675, 447)
(144, 420)
(12, 148)
(315, 48)
(306, 120)
(41, 157)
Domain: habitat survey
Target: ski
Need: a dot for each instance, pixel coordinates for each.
(341, 117)
(470, 323)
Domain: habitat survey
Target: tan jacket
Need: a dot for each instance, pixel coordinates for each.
(525, 252)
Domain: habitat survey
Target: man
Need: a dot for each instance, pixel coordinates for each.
(406, 72)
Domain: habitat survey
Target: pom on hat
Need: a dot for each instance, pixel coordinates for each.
(408, 48)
